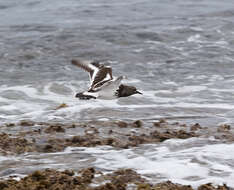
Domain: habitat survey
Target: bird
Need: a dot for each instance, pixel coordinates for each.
(102, 83)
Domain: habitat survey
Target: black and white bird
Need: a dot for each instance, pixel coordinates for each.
(102, 84)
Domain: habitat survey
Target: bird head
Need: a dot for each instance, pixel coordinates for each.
(125, 90)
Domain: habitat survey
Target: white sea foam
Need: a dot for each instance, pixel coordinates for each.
(222, 42)
(197, 77)
(189, 89)
(194, 38)
(15, 177)
(191, 161)
(43, 103)
(186, 164)
(170, 83)
(28, 102)
(138, 50)
(3, 158)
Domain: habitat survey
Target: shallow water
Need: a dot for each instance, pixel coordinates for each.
(193, 162)
(179, 54)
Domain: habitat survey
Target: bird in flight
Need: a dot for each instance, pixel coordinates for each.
(102, 83)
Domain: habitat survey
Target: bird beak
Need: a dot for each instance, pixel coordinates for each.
(137, 92)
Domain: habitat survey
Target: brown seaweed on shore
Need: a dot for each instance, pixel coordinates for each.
(157, 136)
(26, 123)
(168, 185)
(63, 105)
(54, 128)
(52, 137)
(14, 144)
(224, 128)
(50, 179)
(90, 140)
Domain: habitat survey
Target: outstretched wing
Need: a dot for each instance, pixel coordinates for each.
(91, 67)
(103, 75)
(109, 88)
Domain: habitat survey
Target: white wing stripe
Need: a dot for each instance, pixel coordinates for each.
(94, 69)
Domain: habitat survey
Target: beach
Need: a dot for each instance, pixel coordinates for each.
(178, 134)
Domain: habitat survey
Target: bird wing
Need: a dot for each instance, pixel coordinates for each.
(111, 84)
(110, 87)
(88, 66)
(103, 75)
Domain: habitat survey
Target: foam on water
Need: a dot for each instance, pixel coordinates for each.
(195, 163)
(180, 54)
(194, 38)
(189, 89)
(40, 102)
(192, 161)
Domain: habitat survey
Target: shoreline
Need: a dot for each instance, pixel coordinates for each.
(27, 136)
(90, 179)
(45, 137)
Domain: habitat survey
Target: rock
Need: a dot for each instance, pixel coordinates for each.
(171, 186)
(157, 124)
(195, 127)
(15, 144)
(122, 124)
(50, 179)
(63, 105)
(162, 121)
(26, 123)
(224, 128)
(87, 175)
(10, 124)
(209, 186)
(137, 124)
(55, 128)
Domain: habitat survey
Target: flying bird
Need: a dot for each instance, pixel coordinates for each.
(102, 84)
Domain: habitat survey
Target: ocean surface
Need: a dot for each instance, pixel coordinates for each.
(179, 53)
